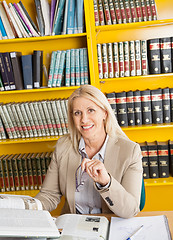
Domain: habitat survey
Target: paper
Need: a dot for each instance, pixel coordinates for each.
(155, 228)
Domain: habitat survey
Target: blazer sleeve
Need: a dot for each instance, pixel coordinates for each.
(123, 197)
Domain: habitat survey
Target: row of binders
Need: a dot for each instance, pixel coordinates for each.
(135, 58)
(25, 171)
(33, 119)
(109, 12)
(55, 18)
(142, 107)
(68, 68)
(157, 159)
(19, 71)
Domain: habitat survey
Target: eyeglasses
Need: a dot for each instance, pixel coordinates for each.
(79, 178)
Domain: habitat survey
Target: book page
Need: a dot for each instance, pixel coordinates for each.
(154, 227)
(29, 223)
(19, 202)
(75, 226)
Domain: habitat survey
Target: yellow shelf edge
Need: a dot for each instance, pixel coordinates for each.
(133, 25)
(31, 193)
(144, 127)
(44, 38)
(154, 182)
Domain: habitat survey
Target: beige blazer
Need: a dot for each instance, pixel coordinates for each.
(123, 163)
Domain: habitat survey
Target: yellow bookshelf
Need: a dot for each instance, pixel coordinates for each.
(159, 192)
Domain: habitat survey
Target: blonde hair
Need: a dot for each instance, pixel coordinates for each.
(92, 93)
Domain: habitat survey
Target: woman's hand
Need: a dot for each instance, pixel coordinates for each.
(96, 170)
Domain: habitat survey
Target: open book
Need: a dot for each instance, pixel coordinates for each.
(17, 222)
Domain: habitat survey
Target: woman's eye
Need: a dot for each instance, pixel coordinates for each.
(91, 110)
(77, 113)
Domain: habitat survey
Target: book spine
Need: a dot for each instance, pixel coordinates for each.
(67, 69)
(137, 107)
(117, 11)
(25, 171)
(13, 108)
(6, 125)
(166, 105)
(112, 101)
(105, 60)
(71, 16)
(115, 59)
(20, 172)
(26, 106)
(133, 10)
(37, 68)
(121, 58)
(15, 173)
(121, 109)
(123, 14)
(56, 116)
(148, 7)
(72, 67)
(10, 173)
(54, 126)
(126, 59)
(2, 29)
(64, 112)
(43, 166)
(22, 121)
(99, 58)
(144, 59)
(58, 24)
(4, 74)
(2, 182)
(110, 61)
(146, 107)
(34, 116)
(163, 159)
(86, 71)
(1, 84)
(5, 173)
(77, 67)
(8, 119)
(51, 69)
(81, 62)
(96, 13)
(138, 57)
(8, 106)
(34, 170)
(154, 56)
(2, 130)
(128, 11)
(107, 12)
(62, 121)
(112, 12)
(43, 117)
(138, 10)
(145, 162)
(39, 177)
(153, 161)
(153, 9)
(30, 175)
(132, 58)
(48, 119)
(165, 55)
(40, 19)
(156, 104)
(56, 68)
(101, 13)
(40, 122)
(130, 108)
(26, 120)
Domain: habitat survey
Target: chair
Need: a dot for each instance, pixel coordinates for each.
(142, 202)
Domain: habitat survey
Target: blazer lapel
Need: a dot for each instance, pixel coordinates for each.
(73, 163)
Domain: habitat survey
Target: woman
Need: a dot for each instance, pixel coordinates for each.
(96, 167)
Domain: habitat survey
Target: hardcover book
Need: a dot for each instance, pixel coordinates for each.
(146, 107)
(154, 56)
(112, 101)
(27, 71)
(37, 68)
(130, 108)
(153, 159)
(170, 145)
(121, 109)
(163, 159)
(165, 55)
(145, 160)
(157, 107)
(166, 105)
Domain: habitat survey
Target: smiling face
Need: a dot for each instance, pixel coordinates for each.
(88, 118)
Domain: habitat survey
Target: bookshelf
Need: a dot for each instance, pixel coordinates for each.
(159, 192)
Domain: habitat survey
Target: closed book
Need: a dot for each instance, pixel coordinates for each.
(15, 173)
(27, 71)
(41, 23)
(154, 56)
(10, 172)
(2, 180)
(166, 105)
(37, 68)
(58, 19)
(165, 55)
(56, 117)
(146, 107)
(43, 165)
(153, 9)
(143, 10)
(115, 59)
(126, 59)
(17, 69)
(5, 173)
(26, 119)
(171, 102)
(34, 170)
(144, 58)
(101, 12)
(14, 122)
(138, 57)
(153, 159)
(80, 15)
(121, 58)
(148, 7)
(96, 13)
(3, 73)
(39, 118)
(145, 160)
(112, 101)
(137, 107)
(77, 67)
(107, 12)
(30, 175)
(132, 58)
(38, 163)
(105, 60)
(130, 108)
(170, 145)
(20, 171)
(64, 28)
(156, 104)
(45, 7)
(1, 84)
(138, 10)
(9, 69)
(133, 10)
(112, 12)
(127, 11)
(110, 61)
(34, 116)
(121, 109)
(21, 119)
(52, 119)
(122, 10)
(163, 159)
(25, 170)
